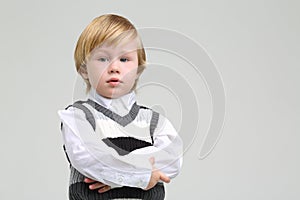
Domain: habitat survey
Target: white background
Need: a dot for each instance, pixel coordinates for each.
(255, 45)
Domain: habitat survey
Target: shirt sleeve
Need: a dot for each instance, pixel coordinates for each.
(94, 159)
(167, 150)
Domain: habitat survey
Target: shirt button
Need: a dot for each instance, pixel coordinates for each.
(140, 183)
(120, 179)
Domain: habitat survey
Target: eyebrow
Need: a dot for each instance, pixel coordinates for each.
(101, 50)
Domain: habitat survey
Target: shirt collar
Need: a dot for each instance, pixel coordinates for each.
(125, 101)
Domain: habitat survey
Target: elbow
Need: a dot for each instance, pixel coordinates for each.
(79, 159)
(174, 169)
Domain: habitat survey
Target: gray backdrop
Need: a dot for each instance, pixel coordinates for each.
(254, 45)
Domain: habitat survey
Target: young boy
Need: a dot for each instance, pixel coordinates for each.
(117, 149)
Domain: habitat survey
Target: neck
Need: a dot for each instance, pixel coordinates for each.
(120, 105)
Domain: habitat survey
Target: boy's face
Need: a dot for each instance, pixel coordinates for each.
(112, 70)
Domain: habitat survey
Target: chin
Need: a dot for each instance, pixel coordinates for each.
(113, 95)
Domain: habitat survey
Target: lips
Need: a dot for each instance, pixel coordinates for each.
(114, 81)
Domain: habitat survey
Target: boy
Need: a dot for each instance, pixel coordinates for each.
(123, 150)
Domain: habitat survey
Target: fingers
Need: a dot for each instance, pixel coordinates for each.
(164, 178)
(104, 189)
(96, 185)
(88, 180)
(152, 161)
(100, 186)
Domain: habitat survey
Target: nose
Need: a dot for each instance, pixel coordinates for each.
(114, 67)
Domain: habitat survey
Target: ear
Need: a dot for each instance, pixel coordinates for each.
(83, 72)
(139, 72)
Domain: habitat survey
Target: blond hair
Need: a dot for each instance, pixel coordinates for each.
(109, 29)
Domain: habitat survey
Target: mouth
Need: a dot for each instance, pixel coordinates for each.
(114, 81)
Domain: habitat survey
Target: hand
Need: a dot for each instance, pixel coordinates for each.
(94, 185)
(156, 176)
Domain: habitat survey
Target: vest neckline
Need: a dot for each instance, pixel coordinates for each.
(122, 120)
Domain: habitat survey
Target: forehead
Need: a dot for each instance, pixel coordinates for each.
(117, 49)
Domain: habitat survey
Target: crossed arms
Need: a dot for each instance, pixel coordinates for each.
(105, 169)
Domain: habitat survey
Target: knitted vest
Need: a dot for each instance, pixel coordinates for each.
(78, 190)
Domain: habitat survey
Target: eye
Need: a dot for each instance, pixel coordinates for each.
(124, 59)
(103, 59)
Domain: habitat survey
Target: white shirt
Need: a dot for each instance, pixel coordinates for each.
(94, 159)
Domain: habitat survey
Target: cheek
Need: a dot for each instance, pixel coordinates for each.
(95, 74)
(131, 74)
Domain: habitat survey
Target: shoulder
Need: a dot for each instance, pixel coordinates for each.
(153, 116)
(147, 112)
(75, 110)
